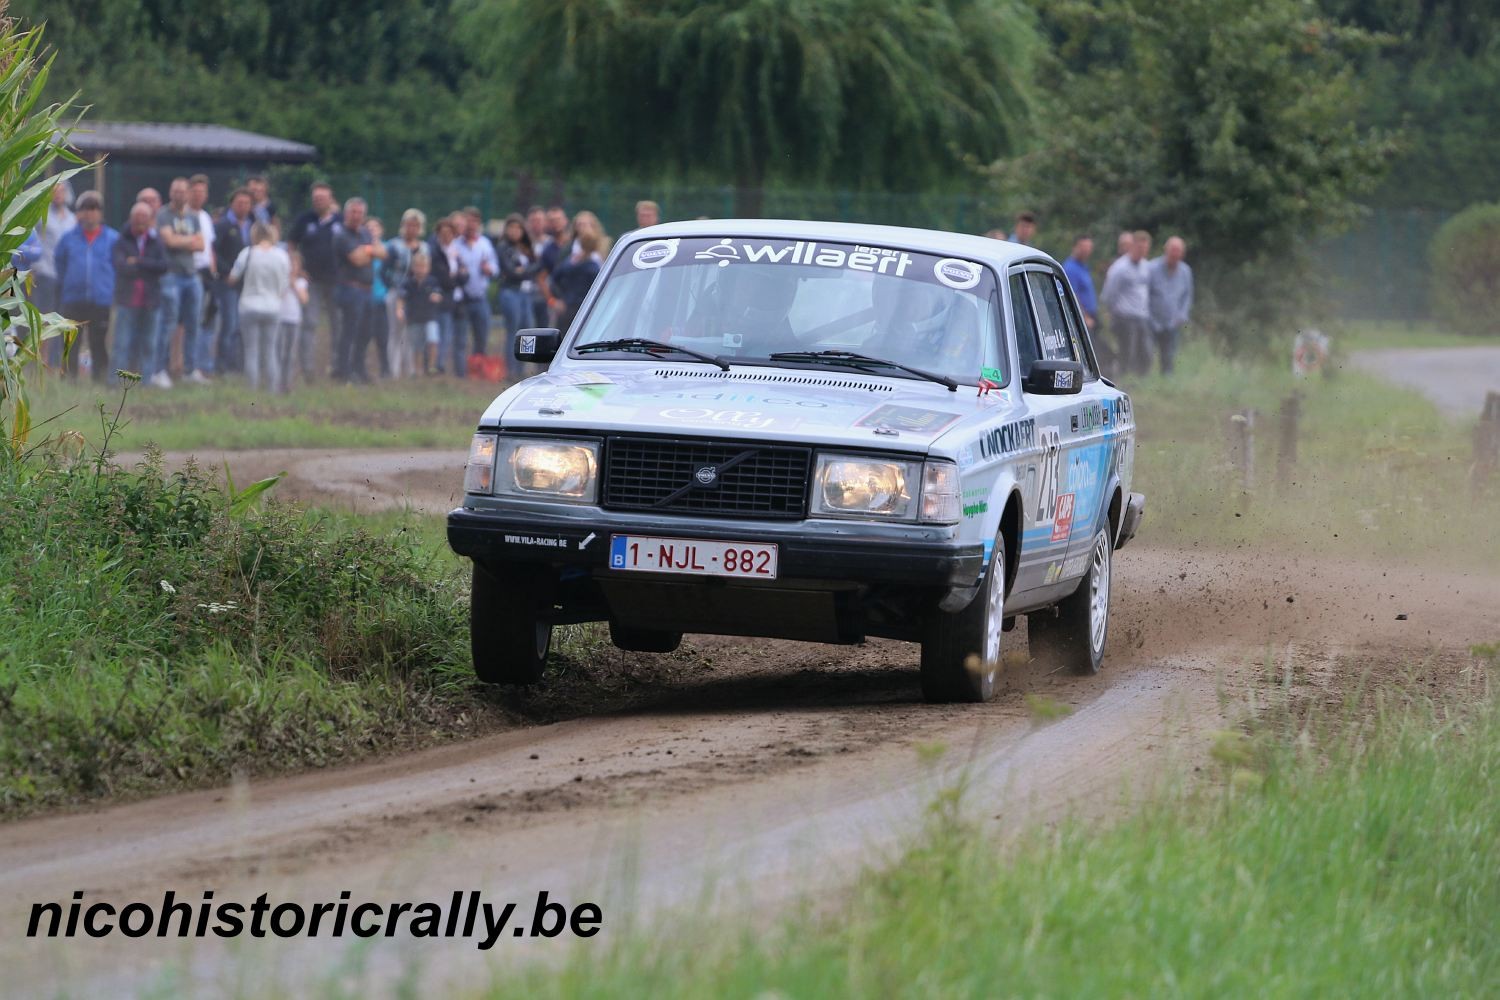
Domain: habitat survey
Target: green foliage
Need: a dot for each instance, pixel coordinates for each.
(1228, 124)
(27, 154)
(376, 86)
(161, 629)
(1437, 82)
(1465, 258)
(859, 92)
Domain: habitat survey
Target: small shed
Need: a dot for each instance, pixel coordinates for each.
(149, 154)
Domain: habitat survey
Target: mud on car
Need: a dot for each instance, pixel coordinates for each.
(805, 431)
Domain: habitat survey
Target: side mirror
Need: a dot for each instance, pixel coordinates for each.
(538, 346)
(1053, 378)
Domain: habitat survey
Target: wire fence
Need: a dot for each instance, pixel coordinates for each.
(1377, 270)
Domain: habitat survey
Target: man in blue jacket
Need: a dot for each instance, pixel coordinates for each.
(86, 279)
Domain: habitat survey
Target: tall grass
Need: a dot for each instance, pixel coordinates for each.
(1379, 472)
(159, 628)
(1356, 860)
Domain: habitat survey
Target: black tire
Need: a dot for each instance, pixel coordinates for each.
(961, 651)
(1066, 636)
(643, 640)
(508, 637)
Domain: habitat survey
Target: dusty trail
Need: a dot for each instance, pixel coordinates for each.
(783, 768)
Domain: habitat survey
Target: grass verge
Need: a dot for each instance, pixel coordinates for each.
(163, 629)
(419, 413)
(1379, 473)
(1354, 859)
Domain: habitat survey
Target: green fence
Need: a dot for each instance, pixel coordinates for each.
(1378, 270)
(614, 201)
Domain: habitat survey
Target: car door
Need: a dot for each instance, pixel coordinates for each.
(1083, 423)
(1042, 549)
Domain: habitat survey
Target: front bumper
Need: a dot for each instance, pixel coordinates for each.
(825, 550)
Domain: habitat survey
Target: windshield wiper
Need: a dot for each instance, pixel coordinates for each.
(855, 360)
(650, 347)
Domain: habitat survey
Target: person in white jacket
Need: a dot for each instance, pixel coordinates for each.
(1126, 294)
(263, 271)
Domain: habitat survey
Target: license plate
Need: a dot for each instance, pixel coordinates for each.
(696, 557)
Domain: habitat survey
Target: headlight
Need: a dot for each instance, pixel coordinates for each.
(562, 470)
(479, 474)
(861, 486)
(847, 486)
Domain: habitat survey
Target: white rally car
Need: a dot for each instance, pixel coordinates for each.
(806, 431)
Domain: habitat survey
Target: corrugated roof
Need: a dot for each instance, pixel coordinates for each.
(203, 141)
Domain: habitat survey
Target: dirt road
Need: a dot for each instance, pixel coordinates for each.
(1454, 378)
(772, 769)
(364, 480)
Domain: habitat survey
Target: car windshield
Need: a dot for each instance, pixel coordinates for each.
(744, 300)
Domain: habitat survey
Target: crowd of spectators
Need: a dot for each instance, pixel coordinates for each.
(1146, 300)
(184, 292)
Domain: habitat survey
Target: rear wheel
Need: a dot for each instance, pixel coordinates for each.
(1073, 636)
(643, 640)
(508, 636)
(961, 652)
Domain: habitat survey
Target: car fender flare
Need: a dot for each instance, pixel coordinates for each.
(1005, 489)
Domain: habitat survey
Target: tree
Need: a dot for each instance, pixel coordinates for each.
(859, 93)
(1228, 123)
(375, 85)
(1465, 256)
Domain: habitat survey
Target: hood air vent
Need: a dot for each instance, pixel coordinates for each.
(832, 383)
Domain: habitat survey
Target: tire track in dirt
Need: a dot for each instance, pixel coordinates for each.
(783, 769)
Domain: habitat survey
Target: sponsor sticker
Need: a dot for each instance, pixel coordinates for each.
(753, 420)
(1062, 518)
(912, 419)
(1062, 379)
(654, 253)
(582, 378)
(1008, 438)
(1076, 565)
(955, 273)
(537, 541)
(526, 344)
(975, 509)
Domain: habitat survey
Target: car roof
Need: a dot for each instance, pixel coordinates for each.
(983, 249)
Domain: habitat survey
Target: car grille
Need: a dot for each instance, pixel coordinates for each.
(662, 475)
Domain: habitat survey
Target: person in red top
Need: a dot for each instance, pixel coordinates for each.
(140, 260)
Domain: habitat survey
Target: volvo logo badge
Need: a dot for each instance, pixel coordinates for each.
(707, 475)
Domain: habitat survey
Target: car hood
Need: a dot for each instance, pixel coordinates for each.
(816, 407)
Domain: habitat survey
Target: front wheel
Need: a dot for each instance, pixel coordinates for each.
(508, 636)
(1073, 636)
(961, 651)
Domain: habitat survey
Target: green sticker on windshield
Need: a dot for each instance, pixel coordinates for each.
(991, 375)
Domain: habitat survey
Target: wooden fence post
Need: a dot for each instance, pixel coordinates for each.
(1486, 443)
(1240, 429)
(1286, 455)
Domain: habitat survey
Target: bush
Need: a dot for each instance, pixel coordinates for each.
(1465, 256)
(161, 629)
